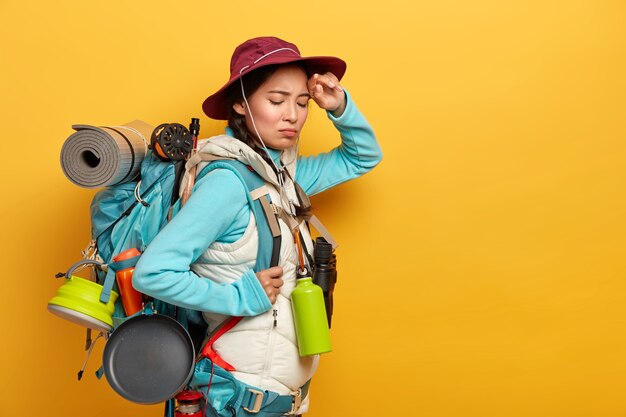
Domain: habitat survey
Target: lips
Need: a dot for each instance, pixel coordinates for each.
(290, 133)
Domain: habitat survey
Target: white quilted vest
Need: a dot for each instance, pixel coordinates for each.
(263, 353)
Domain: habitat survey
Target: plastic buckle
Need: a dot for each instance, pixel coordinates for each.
(258, 401)
(296, 402)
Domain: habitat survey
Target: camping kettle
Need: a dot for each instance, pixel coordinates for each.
(78, 300)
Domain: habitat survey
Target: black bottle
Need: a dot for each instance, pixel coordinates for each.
(325, 272)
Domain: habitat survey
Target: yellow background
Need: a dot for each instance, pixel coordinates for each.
(482, 267)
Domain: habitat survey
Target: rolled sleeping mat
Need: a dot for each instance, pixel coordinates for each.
(95, 157)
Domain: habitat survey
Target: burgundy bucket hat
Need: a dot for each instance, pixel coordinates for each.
(259, 52)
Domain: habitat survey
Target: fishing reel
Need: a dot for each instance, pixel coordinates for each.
(171, 142)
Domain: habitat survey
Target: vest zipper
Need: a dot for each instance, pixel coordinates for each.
(270, 348)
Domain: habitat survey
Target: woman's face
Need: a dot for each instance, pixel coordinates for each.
(279, 107)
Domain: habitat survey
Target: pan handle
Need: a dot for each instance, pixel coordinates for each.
(169, 408)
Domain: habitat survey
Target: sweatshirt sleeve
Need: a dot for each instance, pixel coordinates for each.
(164, 269)
(357, 154)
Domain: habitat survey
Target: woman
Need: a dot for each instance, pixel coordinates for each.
(203, 258)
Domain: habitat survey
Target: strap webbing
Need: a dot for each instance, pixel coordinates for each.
(259, 192)
(198, 157)
(273, 403)
(315, 222)
(207, 350)
(270, 215)
(109, 280)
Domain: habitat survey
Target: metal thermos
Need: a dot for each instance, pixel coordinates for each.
(307, 302)
(131, 298)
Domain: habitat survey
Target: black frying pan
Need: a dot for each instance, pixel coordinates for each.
(149, 358)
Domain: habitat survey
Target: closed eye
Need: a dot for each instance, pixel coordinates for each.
(276, 103)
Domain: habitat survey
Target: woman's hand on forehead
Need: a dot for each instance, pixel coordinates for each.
(326, 91)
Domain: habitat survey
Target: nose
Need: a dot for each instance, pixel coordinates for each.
(291, 113)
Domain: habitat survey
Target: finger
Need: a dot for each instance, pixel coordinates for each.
(275, 272)
(330, 81)
(332, 77)
(312, 80)
(334, 82)
(272, 297)
(311, 83)
(317, 91)
(278, 282)
(317, 83)
(271, 292)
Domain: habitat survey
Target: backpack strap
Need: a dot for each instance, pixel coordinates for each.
(269, 238)
(109, 280)
(198, 157)
(260, 204)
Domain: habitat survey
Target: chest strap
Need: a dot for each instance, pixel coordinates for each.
(294, 222)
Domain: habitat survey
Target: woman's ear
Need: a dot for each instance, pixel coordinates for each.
(240, 108)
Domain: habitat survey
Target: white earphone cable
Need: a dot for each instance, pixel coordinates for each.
(279, 171)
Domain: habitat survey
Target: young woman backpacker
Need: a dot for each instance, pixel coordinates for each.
(203, 259)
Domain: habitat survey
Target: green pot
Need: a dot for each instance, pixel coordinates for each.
(78, 300)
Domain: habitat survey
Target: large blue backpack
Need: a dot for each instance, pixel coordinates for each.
(129, 215)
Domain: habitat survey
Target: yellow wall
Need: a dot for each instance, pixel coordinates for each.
(481, 265)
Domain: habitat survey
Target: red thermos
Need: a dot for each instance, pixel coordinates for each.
(131, 298)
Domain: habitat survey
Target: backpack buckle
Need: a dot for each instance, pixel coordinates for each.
(258, 401)
(296, 402)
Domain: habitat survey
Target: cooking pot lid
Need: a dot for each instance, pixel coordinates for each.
(149, 358)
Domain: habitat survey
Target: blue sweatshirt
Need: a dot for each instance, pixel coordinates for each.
(218, 211)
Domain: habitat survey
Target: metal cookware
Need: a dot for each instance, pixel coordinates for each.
(78, 300)
(149, 358)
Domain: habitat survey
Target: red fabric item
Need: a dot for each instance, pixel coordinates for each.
(207, 350)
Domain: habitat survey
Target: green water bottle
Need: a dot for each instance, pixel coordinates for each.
(307, 303)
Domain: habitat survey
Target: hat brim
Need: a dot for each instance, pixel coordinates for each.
(215, 105)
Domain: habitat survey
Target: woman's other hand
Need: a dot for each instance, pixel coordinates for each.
(271, 280)
(327, 93)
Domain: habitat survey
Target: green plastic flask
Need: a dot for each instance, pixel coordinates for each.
(307, 303)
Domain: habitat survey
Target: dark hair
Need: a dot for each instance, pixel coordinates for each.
(251, 83)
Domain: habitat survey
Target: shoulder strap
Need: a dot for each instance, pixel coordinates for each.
(259, 201)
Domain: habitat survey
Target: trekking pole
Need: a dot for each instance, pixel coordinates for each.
(194, 129)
